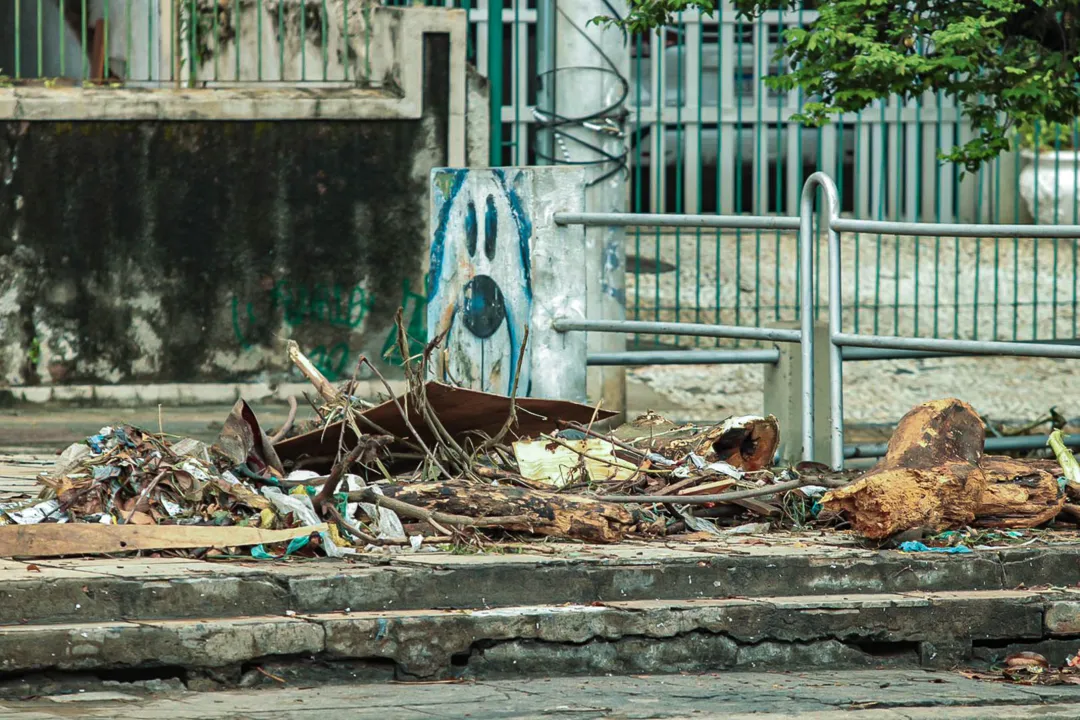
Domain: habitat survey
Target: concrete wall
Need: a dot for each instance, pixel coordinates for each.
(188, 243)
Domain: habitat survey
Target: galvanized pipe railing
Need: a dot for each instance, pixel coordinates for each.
(839, 339)
(640, 358)
(804, 335)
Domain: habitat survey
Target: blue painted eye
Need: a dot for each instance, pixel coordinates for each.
(490, 228)
(470, 228)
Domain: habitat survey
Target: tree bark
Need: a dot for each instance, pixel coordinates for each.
(935, 476)
(1019, 494)
(929, 478)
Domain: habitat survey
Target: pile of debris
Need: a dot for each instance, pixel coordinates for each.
(437, 465)
(442, 465)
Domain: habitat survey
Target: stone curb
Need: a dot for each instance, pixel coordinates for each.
(96, 591)
(934, 630)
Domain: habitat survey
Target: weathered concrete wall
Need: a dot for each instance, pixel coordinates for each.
(168, 251)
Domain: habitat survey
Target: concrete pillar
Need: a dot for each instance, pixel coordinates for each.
(783, 395)
(499, 264)
(589, 62)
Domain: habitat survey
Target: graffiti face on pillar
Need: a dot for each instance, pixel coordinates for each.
(480, 286)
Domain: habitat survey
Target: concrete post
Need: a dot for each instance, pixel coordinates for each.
(499, 265)
(783, 395)
(592, 64)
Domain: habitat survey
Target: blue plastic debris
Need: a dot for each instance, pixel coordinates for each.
(294, 545)
(916, 546)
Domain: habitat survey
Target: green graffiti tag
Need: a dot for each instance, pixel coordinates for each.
(335, 306)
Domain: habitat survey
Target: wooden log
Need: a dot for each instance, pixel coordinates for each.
(929, 478)
(545, 513)
(1019, 494)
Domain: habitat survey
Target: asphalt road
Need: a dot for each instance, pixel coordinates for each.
(852, 695)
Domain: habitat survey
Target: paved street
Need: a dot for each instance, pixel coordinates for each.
(853, 695)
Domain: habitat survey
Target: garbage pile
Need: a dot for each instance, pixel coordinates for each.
(445, 466)
(438, 465)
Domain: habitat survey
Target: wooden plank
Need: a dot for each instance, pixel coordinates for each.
(55, 540)
(710, 488)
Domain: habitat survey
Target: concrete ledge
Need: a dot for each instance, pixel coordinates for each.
(65, 591)
(397, 37)
(642, 636)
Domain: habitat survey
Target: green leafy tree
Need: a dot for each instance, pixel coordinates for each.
(1010, 65)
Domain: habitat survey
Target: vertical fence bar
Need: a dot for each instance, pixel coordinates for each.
(695, 69)
(61, 27)
(858, 192)
(85, 49)
(806, 316)
(128, 72)
(680, 78)
(495, 80)
(1057, 184)
(978, 257)
(259, 43)
(739, 86)
(239, 36)
(41, 37)
(193, 47)
(1075, 221)
(779, 184)
(1035, 244)
(1016, 258)
(517, 87)
(18, 39)
(720, 107)
(881, 198)
(281, 38)
(345, 39)
(761, 163)
(638, 174)
(323, 30)
(104, 41)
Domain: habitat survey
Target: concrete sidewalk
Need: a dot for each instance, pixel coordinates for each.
(816, 695)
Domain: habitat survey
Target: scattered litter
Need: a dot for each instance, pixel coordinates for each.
(563, 462)
(436, 465)
(916, 546)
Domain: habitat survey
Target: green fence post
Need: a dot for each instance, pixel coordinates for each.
(495, 79)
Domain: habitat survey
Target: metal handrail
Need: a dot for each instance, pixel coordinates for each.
(839, 339)
(804, 335)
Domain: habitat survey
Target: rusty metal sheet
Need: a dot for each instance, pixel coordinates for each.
(458, 409)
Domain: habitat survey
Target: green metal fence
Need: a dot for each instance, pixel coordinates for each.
(704, 134)
(186, 43)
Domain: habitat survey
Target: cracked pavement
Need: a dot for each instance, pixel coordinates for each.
(851, 695)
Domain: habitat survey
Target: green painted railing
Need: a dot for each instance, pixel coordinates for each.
(188, 43)
(704, 135)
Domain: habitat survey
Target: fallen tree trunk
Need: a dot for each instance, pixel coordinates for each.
(934, 476)
(532, 511)
(1019, 494)
(929, 478)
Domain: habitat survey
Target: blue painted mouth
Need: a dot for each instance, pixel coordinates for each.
(484, 309)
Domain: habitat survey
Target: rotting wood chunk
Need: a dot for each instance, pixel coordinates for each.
(934, 476)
